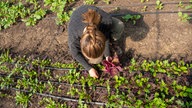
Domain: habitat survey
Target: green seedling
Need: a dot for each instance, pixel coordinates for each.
(63, 65)
(10, 13)
(83, 96)
(5, 57)
(32, 20)
(156, 102)
(142, 1)
(34, 2)
(62, 17)
(73, 91)
(147, 89)
(47, 74)
(189, 6)
(2, 95)
(184, 17)
(51, 87)
(108, 87)
(183, 104)
(107, 1)
(50, 103)
(133, 66)
(112, 101)
(181, 4)
(144, 8)
(56, 6)
(163, 87)
(140, 91)
(120, 81)
(132, 18)
(138, 103)
(22, 99)
(159, 5)
(5, 82)
(89, 2)
(4, 68)
(72, 76)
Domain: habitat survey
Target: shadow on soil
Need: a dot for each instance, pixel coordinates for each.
(136, 32)
(190, 21)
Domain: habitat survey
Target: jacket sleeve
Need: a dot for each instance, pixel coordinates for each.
(107, 49)
(77, 55)
(106, 18)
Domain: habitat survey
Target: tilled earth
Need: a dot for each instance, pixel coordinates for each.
(155, 36)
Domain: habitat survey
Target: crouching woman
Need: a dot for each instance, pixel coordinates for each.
(89, 32)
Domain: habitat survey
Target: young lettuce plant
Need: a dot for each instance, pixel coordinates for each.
(163, 87)
(6, 82)
(181, 4)
(133, 66)
(184, 17)
(58, 7)
(132, 18)
(33, 18)
(159, 5)
(119, 82)
(106, 1)
(189, 6)
(89, 2)
(22, 99)
(50, 103)
(10, 13)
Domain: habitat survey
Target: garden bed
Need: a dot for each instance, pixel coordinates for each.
(37, 70)
(41, 83)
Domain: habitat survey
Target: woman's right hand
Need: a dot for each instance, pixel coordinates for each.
(93, 73)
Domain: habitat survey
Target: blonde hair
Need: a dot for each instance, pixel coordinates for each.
(92, 41)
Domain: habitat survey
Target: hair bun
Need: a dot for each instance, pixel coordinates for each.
(91, 17)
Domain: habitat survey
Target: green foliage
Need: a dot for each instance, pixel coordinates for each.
(30, 12)
(160, 88)
(107, 1)
(89, 2)
(157, 102)
(132, 18)
(144, 8)
(33, 18)
(63, 17)
(181, 4)
(5, 57)
(58, 6)
(50, 103)
(119, 82)
(159, 5)
(5, 82)
(9, 14)
(184, 17)
(189, 6)
(22, 99)
(142, 1)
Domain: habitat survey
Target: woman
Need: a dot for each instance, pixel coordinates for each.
(89, 30)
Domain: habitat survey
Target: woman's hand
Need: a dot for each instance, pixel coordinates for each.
(93, 73)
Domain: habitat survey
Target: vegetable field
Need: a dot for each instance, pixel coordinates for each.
(37, 70)
(140, 84)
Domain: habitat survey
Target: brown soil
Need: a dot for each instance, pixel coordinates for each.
(155, 36)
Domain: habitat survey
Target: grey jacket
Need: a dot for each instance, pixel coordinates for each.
(75, 31)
